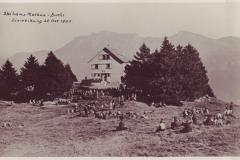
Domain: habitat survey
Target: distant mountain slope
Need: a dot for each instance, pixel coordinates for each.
(220, 56)
(19, 58)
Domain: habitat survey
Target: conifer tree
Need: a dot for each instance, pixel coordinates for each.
(9, 80)
(30, 72)
(143, 55)
(53, 75)
(55, 78)
(195, 80)
(164, 82)
(138, 71)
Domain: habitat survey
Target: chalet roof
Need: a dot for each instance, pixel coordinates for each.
(114, 54)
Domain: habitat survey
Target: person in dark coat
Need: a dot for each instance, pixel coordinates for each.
(209, 120)
(206, 111)
(175, 124)
(231, 107)
(187, 127)
(194, 119)
(121, 125)
(86, 111)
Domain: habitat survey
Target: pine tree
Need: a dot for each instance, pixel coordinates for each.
(165, 59)
(55, 78)
(10, 80)
(53, 73)
(30, 72)
(138, 71)
(179, 78)
(143, 55)
(195, 80)
(164, 83)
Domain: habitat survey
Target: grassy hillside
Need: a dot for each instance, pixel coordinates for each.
(53, 132)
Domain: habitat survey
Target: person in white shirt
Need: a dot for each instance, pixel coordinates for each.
(162, 126)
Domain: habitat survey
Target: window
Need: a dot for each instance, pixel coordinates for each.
(107, 66)
(108, 74)
(105, 57)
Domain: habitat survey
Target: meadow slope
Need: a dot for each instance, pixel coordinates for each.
(53, 132)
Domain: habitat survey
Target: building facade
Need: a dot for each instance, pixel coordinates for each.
(107, 66)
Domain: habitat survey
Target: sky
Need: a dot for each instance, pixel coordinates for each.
(213, 20)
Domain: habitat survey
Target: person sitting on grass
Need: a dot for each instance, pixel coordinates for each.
(152, 104)
(30, 102)
(175, 124)
(41, 102)
(144, 116)
(162, 126)
(209, 120)
(185, 113)
(187, 127)
(229, 111)
(121, 125)
(218, 121)
(162, 104)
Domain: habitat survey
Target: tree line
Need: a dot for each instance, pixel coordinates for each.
(35, 81)
(170, 74)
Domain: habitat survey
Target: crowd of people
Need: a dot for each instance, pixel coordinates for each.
(105, 108)
(108, 110)
(191, 118)
(106, 104)
(127, 93)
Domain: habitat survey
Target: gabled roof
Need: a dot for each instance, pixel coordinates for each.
(113, 53)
